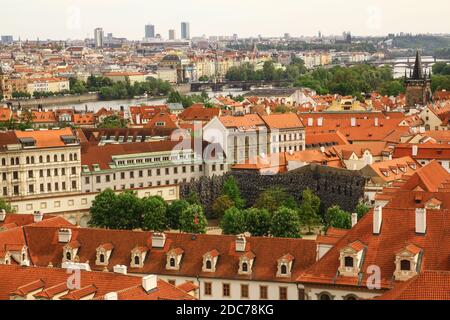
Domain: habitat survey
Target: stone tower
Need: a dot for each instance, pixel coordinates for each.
(418, 86)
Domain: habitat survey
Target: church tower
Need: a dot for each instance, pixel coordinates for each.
(418, 86)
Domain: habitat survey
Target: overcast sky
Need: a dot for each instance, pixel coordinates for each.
(63, 19)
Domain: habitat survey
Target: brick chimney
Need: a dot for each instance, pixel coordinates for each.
(2, 215)
(377, 219)
(64, 235)
(158, 240)
(149, 282)
(421, 220)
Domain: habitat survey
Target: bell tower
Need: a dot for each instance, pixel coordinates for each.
(418, 86)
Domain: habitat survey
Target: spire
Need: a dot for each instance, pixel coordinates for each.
(418, 71)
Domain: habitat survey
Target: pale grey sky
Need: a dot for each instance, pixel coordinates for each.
(62, 19)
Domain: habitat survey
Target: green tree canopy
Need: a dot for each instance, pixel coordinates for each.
(273, 198)
(233, 221)
(338, 218)
(309, 210)
(102, 209)
(231, 189)
(361, 209)
(113, 121)
(193, 220)
(257, 222)
(154, 214)
(285, 223)
(173, 213)
(220, 205)
(5, 205)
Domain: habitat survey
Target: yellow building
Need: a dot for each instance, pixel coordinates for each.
(121, 76)
(346, 104)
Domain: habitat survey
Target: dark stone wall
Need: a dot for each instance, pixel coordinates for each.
(334, 186)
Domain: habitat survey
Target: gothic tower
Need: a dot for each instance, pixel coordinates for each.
(418, 86)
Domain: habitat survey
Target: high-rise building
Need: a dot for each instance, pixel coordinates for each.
(149, 31)
(171, 34)
(7, 39)
(99, 37)
(185, 31)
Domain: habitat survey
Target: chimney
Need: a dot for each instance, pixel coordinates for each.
(158, 240)
(421, 220)
(353, 122)
(38, 216)
(111, 296)
(377, 219)
(319, 122)
(120, 269)
(150, 282)
(240, 243)
(415, 151)
(354, 219)
(376, 122)
(64, 235)
(322, 149)
(310, 122)
(2, 215)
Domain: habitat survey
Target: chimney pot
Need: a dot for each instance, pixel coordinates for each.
(150, 282)
(354, 219)
(158, 240)
(240, 243)
(64, 235)
(377, 219)
(421, 220)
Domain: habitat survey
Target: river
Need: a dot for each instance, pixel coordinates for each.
(117, 104)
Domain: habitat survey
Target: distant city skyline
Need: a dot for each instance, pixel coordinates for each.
(77, 19)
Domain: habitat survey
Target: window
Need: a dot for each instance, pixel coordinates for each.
(136, 260)
(325, 296)
(349, 262)
(208, 288)
(102, 258)
(172, 262)
(97, 178)
(283, 269)
(283, 293)
(263, 292)
(244, 267)
(208, 265)
(405, 265)
(131, 174)
(68, 256)
(55, 158)
(244, 290)
(226, 289)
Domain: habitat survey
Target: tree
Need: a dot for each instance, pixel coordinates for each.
(193, 220)
(231, 189)
(361, 209)
(257, 222)
(113, 121)
(273, 198)
(5, 205)
(154, 214)
(193, 198)
(128, 212)
(285, 223)
(203, 78)
(233, 221)
(220, 205)
(102, 209)
(338, 218)
(392, 88)
(173, 213)
(309, 210)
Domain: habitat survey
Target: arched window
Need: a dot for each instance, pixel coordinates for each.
(48, 158)
(24, 256)
(136, 260)
(27, 160)
(41, 159)
(325, 296)
(70, 157)
(350, 297)
(102, 258)
(245, 267)
(55, 158)
(348, 262)
(172, 262)
(17, 160)
(75, 156)
(32, 160)
(405, 265)
(283, 269)
(12, 161)
(3, 161)
(208, 264)
(62, 157)
(68, 256)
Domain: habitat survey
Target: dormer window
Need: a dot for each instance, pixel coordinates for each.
(103, 254)
(138, 255)
(284, 265)
(70, 251)
(351, 259)
(407, 262)
(210, 261)
(246, 263)
(174, 257)
(68, 256)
